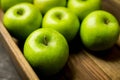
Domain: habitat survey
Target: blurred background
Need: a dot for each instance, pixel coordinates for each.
(7, 68)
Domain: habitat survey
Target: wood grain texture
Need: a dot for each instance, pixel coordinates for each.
(82, 63)
(108, 61)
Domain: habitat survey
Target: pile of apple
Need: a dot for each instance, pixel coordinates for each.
(47, 27)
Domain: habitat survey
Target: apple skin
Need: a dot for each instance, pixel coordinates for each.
(21, 19)
(99, 30)
(62, 20)
(83, 7)
(46, 50)
(6, 4)
(45, 5)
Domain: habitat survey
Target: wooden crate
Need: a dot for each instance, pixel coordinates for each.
(82, 64)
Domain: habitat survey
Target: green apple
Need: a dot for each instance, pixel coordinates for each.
(21, 19)
(46, 50)
(83, 7)
(6, 4)
(62, 20)
(99, 30)
(45, 5)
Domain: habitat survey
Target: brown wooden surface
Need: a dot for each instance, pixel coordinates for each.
(82, 64)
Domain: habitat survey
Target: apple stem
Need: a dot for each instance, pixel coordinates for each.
(59, 16)
(45, 41)
(106, 21)
(84, 0)
(20, 12)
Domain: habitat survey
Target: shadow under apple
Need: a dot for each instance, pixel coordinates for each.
(111, 55)
(75, 46)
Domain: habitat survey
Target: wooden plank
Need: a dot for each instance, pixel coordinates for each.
(20, 62)
(108, 61)
(83, 68)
